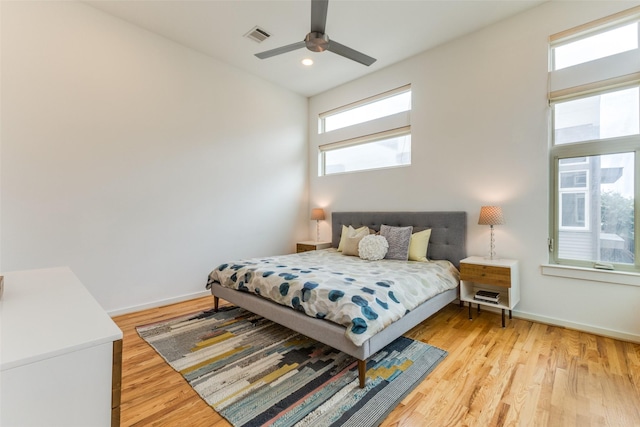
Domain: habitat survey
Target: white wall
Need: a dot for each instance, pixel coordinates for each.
(479, 136)
(137, 162)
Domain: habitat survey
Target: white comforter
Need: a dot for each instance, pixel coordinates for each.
(364, 296)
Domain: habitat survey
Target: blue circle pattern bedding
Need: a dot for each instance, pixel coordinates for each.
(364, 296)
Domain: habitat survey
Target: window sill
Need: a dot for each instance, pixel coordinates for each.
(592, 274)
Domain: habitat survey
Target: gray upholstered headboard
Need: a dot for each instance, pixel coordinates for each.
(448, 229)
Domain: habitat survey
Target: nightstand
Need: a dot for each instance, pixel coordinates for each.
(494, 275)
(311, 245)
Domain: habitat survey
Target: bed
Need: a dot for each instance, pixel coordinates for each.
(447, 242)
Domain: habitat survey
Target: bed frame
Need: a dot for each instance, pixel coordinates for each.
(448, 241)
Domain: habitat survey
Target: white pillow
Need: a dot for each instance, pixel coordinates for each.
(373, 247)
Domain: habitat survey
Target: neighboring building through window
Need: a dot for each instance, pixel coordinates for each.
(373, 133)
(595, 147)
(574, 200)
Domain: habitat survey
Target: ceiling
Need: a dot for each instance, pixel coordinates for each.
(389, 30)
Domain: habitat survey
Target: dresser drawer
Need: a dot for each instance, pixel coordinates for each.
(487, 274)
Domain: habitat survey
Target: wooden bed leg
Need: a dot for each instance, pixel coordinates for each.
(216, 301)
(362, 372)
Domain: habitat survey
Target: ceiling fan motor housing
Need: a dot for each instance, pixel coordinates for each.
(316, 42)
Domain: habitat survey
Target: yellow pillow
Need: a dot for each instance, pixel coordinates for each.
(418, 245)
(349, 232)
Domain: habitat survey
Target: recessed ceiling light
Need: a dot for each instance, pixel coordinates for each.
(307, 61)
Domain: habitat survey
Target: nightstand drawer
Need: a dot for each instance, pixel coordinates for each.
(489, 274)
(300, 247)
(311, 246)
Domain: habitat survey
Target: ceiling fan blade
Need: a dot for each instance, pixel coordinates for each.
(349, 53)
(280, 50)
(319, 15)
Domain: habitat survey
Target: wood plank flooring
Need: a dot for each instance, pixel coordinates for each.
(527, 374)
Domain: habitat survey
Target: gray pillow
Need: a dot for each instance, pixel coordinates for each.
(398, 238)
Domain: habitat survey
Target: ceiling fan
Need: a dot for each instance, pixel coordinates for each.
(318, 41)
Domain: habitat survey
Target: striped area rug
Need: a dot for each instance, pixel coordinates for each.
(257, 373)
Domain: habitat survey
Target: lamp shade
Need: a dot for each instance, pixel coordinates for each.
(317, 214)
(491, 215)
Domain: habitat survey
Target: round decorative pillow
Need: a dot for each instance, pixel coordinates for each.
(373, 247)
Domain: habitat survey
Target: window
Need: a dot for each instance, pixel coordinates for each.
(601, 116)
(596, 208)
(595, 144)
(573, 180)
(370, 109)
(388, 151)
(373, 133)
(595, 47)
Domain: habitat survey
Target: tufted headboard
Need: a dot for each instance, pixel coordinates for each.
(448, 229)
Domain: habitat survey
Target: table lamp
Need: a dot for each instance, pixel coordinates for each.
(317, 214)
(491, 215)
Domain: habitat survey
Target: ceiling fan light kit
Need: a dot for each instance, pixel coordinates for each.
(318, 41)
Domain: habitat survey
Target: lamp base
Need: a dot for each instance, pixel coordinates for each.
(492, 247)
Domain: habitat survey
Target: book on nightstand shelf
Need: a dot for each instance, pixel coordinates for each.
(487, 296)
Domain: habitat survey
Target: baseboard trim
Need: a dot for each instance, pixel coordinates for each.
(609, 333)
(158, 303)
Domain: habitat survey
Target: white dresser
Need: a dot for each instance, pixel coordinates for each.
(60, 353)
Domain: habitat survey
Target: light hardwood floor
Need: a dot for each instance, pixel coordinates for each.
(525, 374)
